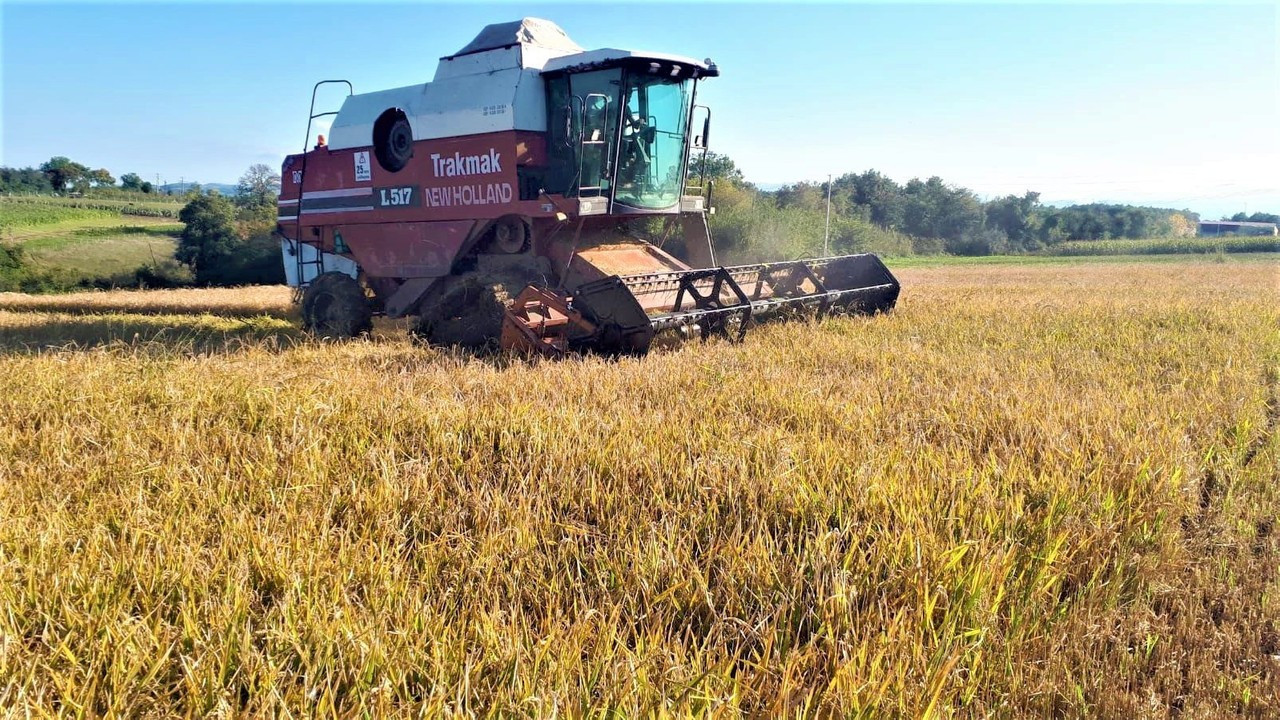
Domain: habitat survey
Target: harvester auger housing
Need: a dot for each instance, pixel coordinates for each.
(495, 204)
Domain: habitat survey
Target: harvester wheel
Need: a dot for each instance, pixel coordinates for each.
(510, 236)
(334, 306)
(466, 310)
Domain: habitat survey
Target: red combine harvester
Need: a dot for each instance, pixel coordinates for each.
(509, 199)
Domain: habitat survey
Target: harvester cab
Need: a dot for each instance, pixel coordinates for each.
(527, 195)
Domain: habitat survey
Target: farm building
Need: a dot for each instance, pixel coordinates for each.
(1236, 227)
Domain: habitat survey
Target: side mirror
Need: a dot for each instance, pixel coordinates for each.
(706, 131)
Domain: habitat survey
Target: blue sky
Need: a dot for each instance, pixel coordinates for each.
(1175, 105)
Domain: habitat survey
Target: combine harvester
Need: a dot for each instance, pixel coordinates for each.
(507, 200)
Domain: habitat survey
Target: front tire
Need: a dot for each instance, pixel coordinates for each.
(334, 306)
(467, 310)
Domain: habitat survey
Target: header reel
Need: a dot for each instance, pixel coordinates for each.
(608, 316)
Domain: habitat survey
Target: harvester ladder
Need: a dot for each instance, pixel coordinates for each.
(599, 144)
(316, 262)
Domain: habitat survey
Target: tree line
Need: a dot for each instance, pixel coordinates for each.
(1256, 217)
(871, 211)
(62, 174)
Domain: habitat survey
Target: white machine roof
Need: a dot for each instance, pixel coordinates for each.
(605, 56)
(493, 84)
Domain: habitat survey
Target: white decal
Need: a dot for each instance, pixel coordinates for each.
(297, 176)
(396, 196)
(491, 194)
(363, 172)
(461, 164)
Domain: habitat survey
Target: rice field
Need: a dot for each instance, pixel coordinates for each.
(1030, 491)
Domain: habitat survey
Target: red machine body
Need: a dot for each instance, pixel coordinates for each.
(527, 161)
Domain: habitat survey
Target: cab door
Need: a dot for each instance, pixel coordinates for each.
(583, 112)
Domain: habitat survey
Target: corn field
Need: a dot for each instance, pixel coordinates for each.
(1043, 491)
(1165, 246)
(23, 210)
(20, 215)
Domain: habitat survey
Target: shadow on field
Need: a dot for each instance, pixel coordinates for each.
(125, 305)
(19, 334)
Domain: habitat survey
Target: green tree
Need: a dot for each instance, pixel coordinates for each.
(880, 195)
(717, 167)
(131, 181)
(63, 173)
(209, 240)
(24, 180)
(146, 187)
(100, 178)
(804, 195)
(1100, 221)
(260, 185)
(934, 209)
(257, 192)
(1017, 217)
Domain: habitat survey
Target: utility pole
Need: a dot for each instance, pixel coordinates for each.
(826, 240)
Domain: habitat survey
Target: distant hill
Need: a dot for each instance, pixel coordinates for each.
(179, 188)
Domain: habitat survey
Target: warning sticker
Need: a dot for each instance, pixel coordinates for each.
(363, 173)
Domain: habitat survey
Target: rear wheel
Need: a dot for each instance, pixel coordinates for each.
(334, 306)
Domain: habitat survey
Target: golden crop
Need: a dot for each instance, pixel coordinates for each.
(1029, 491)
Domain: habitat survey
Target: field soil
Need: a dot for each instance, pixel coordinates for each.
(1032, 490)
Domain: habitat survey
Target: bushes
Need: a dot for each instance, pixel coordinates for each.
(749, 228)
(167, 273)
(18, 275)
(220, 253)
(252, 261)
(987, 241)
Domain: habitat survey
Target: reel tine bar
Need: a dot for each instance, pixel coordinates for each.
(859, 283)
(608, 316)
(715, 299)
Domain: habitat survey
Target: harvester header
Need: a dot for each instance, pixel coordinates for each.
(535, 193)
